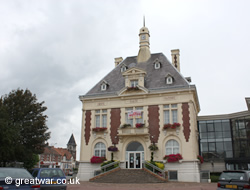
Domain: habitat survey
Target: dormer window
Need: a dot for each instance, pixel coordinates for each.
(123, 68)
(104, 85)
(157, 64)
(169, 80)
(133, 83)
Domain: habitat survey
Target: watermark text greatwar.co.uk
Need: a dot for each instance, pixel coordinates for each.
(36, 181)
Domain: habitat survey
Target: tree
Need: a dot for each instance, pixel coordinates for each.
(23, 129)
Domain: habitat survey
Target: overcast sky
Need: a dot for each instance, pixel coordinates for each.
(59, 49)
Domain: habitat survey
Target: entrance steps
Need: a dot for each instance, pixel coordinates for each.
(128, 176)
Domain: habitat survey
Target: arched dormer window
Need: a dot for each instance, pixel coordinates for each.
(104, 85)
(157, 64)
(169, 79)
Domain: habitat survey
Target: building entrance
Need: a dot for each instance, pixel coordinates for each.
(134, 155)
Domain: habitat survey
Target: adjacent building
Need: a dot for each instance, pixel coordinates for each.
(143, 101)
(64, 158)
(225, 141)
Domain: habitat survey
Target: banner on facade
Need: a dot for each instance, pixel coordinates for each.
(134, 114)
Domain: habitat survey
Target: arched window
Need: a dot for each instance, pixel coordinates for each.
(100, 149)
(172, 147)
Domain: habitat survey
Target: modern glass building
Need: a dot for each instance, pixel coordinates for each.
(225, 141)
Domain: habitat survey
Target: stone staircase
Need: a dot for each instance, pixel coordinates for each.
(128, 176)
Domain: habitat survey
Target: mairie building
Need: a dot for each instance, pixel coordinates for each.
(143, 101)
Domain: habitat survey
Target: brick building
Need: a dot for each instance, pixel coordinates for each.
(144, 100)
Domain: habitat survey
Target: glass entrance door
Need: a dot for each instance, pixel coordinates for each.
(134, 160)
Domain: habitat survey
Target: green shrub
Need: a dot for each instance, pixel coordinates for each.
(214, 177)
(110, 167)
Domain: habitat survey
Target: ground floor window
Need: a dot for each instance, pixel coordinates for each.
(100, 150)
(173, 175)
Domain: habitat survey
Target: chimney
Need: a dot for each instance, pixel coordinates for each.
(176, 58)
(118, 60)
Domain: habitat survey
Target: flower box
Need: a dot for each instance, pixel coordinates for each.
(98, 129)
(112, 148)
(173, 157)
(97, 159)
(171, 126)
(200, 158)
(125, 125)
(132, 88)
(139, 125)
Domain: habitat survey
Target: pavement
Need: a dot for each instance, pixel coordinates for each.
(146, 186)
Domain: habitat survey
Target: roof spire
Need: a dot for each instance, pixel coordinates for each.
(143, 20)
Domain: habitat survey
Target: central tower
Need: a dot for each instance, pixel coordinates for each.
(144, 51)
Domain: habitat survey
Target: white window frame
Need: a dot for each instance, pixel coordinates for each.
(169, 80)
(133, 83)
(103, 87)
(172, 110)
(100, 149)
(101, 118)
(157, 65)
(173, 146)
(123, 68)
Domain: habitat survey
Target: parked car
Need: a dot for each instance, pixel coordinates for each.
(17, 178)
(234, 180)
(50, 178)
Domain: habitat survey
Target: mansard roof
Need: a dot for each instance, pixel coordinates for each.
(154, 78)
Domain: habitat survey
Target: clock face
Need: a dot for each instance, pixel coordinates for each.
(143, 37)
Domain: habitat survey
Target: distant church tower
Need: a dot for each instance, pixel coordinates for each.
(71, 146)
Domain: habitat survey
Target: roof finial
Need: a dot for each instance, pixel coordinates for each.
(143, 20)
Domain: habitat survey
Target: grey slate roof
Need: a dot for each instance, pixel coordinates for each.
(72, 140)
(154, 79)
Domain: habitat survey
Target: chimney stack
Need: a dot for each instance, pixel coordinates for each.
(176, 58)
(118, 60)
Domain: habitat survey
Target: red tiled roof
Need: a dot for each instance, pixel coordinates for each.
(64, 152)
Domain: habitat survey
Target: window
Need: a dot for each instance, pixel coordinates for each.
(133, 83)
(172, 175)
(123, 68)
(42, 157)
(170, 113)
(103, 87)
(172, 147)
(157, 65)
(100, 149)
(101, 118)
(134, 115)
(47, 157)
(169, 80)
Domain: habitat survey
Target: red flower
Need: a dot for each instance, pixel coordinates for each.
(166, 126)
(139, 125)
(97, 159)
(175, 125)
(200, 158)
(173, 157)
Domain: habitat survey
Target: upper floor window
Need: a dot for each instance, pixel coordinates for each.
(123, 68)
(103, 87)
(101, 118)
(170, 113)
(172, 147)
(133, 83)
(134, 115)
(157, 64)
(100, 149)
(169, 80)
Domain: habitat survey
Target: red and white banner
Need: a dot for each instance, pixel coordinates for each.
(134, 114)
